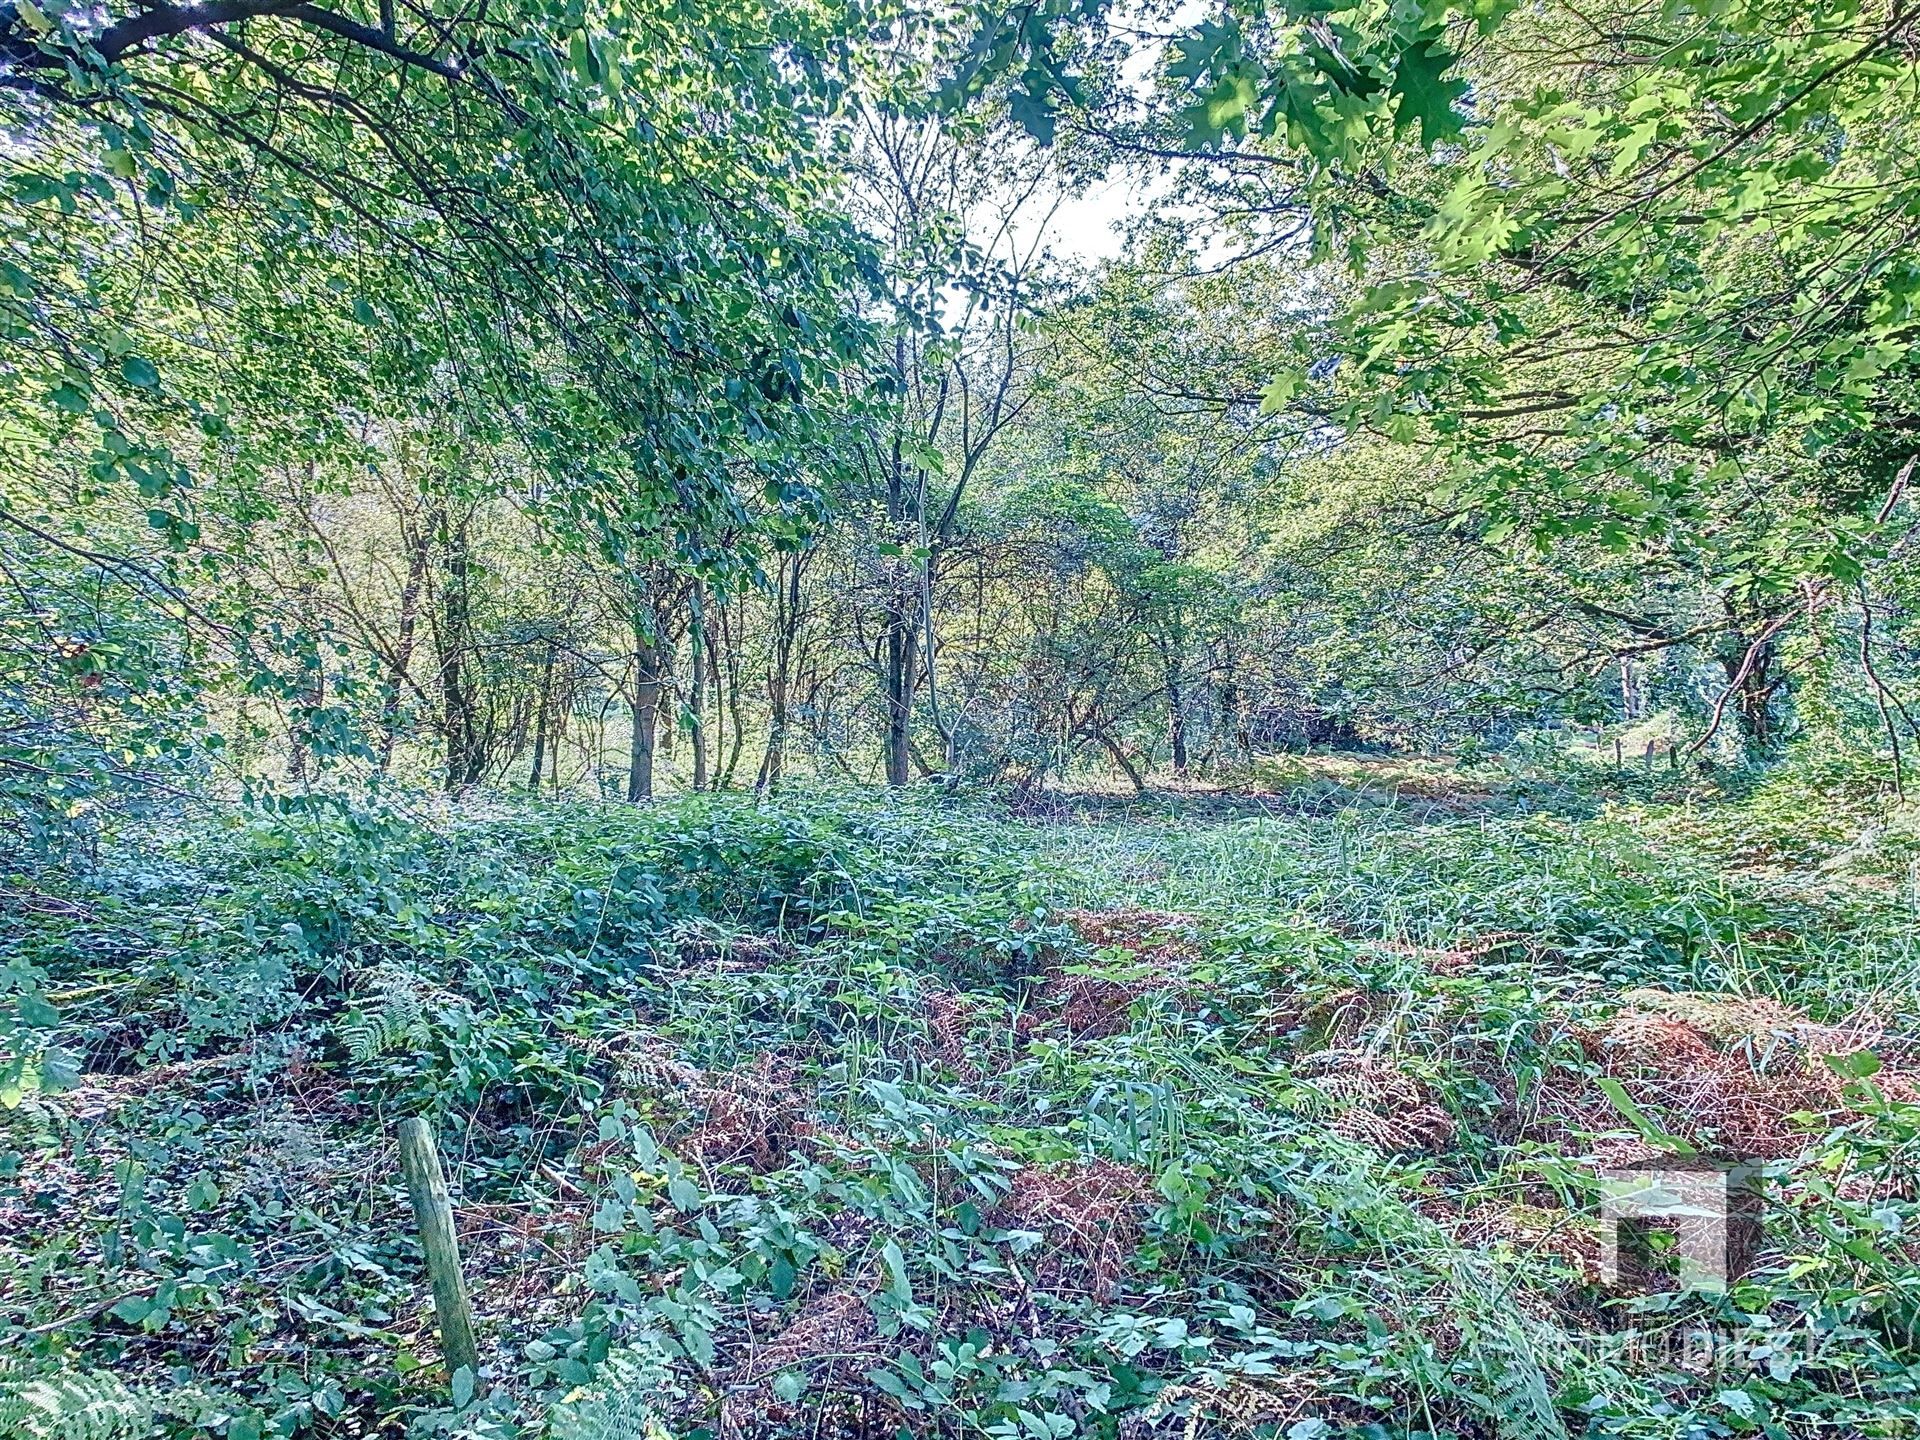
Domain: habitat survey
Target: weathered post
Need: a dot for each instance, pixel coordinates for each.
(433, 1213)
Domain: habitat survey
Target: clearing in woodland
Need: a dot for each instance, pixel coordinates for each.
(888, 1117)
(959, 719)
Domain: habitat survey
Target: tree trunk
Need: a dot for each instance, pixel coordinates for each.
(1753, 698)
(646, 717)
(901, 615)
(900, 658)
(312, 695)
(786, 621)
(1177, 721)
(1233, 711)
(1112, 747)
(697, 689)
(313, 682)
(466, 758)
(1753, 677)
(737, 736)
(540, 719)
(401, 662)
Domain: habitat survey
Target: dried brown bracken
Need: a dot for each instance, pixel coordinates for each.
(833, 1337)
(1088, 1214)
(530, 1255)
(705, 945)
(830, 1344)
(1162, 949)
(753, 1116)
(1456, 959)
(1235, 1404)
(1564, 1235)
(950, 1018)
(1731, 1075)
(1380, 1103)
(1339, 1021)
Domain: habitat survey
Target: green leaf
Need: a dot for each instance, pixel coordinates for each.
(1858, 1065)
(1423, 92)
(1278, 391)
(889, 1383)
(1650, 1132)
(684, 1194)
(899, 1287)
(1033, 112)
(139, 372)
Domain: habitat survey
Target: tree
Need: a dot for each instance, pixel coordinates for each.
(245, 237)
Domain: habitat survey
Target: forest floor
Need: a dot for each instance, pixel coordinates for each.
(1277, 1111)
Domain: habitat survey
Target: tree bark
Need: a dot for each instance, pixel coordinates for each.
(1112, 747)
(1177, 721)
(466, 758)
(1233, 710)
(1753, 677)
(697, 686)
(401, 662)
(786, 625)
(646, 718)
(900, 656)
(540, 718)
(737, 732)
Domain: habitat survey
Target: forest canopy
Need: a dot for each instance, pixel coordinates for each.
(543, 395)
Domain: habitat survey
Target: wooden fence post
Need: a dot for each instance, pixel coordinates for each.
(433, 1212)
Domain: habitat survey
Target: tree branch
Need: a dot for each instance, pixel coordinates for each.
(20, 49)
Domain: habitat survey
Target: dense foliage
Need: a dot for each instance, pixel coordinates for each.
(921, 1120)
(956, 838)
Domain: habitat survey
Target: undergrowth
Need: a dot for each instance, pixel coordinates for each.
(907, 1118)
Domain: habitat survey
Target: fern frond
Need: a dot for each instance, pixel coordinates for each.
(623, 1403)
(72, 1405)
(1497, 1335)
(389, 1014)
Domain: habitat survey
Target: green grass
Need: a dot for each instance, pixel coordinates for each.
(768, 1118)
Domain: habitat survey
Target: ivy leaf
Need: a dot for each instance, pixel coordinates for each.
(1423, 92)
(140, 372)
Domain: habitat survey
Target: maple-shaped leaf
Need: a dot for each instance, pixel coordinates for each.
(1031, 107)
(1423, 91)
(1209, 49)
